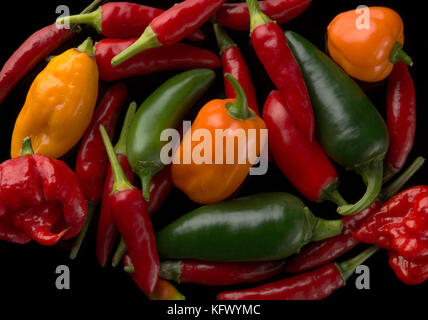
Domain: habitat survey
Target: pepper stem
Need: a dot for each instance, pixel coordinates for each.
(223, 40)
(372, 174)
(389, 171)
(93, 19)
(239, 108)
(325, 229)
(170, 270)
(398, 54)
(347, 268)
(27, 148)
(92, 6)
(332, 194)
(82, 234)
(147, 40)
(87, 46)
(257, 17)
(120, 147)
(129, 269)
(121, 183)
(120, 253)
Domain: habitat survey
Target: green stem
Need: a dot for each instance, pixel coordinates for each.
(223, 40)
(129, 269)
(121, 183)
(332, 194)
(397, 54)
(87, 46)
(92, 6)
(120, 147)
(325, 229)
(27, 148)
(120, 252)
(239, 108)
(372, 174)
(388, 172)
(82, 234)
(347, 268)
(93, 19)
(147, 40)
(257, 17)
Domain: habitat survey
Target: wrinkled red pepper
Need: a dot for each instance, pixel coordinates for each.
(409, 271)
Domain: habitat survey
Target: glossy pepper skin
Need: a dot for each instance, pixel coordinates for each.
(168, 105)
(271, 47)
(60, 103)
(409, 271)
(211, 273)
(235, 15)
(178, 56)
(261, 227)
(351, 130)
(206, 180)
(171, 26)
(313, 285)
(367, 54)
(233, 63)
(302, 161)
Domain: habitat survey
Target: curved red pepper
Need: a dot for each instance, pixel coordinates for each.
(176, 57)
(409, 271)
(235, 15)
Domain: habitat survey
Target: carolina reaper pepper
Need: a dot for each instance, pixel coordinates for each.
(60, 103)
(206, 180)
(367, 53)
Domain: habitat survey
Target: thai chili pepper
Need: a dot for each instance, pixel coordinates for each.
(272, 50)
(121, 20)
(409, 271)
(178, 56)
(168, 105)
(367, 52)
(130, 216)
(261, 227)
(401, 118)
(321, 252)
(39, 45)
(302, 161)
(351, 130)
(312, 285)
(209, 273)
(214, 178)
(233, 63)
(235, 15)
(163, 290)
(92, 161)
(38, 194)
(107, 230)
(171, 26)
(400, 225)
(60, 103)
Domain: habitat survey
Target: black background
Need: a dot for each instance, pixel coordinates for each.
(28, 272)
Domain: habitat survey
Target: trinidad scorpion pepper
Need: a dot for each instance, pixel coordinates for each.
(351, 130)
(38, 196)
(60, 103)
(367, 53)
(261, 227)
(206, 180)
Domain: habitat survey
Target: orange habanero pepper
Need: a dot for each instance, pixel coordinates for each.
(60, 103)
(209, 181)
(367, 48)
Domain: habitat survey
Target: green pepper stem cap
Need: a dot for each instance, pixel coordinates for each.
(239, 108)
(147, 40)
(120, 253)
(129, 269)
(121, 183)
(27, 148)
(347, 268)
(257, 17)
(120, 147)
(93, 19)
(224, 42)
(170, 270)
(398, 54)
(82, 234)
(87, 46)
(332, 194)
(325, 229)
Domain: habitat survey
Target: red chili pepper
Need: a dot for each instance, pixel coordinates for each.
(312, 285)
(303, 162)
(171, 26)
(235, 15)
(409, 271)
(234, 63)
(271, 47)
(130, 216)
(401, 118)
(175, 57)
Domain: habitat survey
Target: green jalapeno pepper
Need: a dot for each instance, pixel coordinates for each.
(163, 109)
(351, 130)
(261, 227)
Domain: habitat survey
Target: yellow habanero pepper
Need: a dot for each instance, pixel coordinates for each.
(367, 47)
(212, 182)
(60, 103)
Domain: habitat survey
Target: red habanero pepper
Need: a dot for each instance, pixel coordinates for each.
(401, 118)
(235, 15)
(271, 47)
(409, 271)
(121, 20)
(178, 56)
(171, 26)
(234, 63)
(302, 161)
(312, 285)
(130, 216)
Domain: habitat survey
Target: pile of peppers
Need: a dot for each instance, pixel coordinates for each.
(317, 117)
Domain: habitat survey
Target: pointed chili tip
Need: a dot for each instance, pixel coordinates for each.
(27, 148)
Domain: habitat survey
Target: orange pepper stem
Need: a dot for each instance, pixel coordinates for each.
(239, 108)
(27, 148)
(397, 54)
(87, 46)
